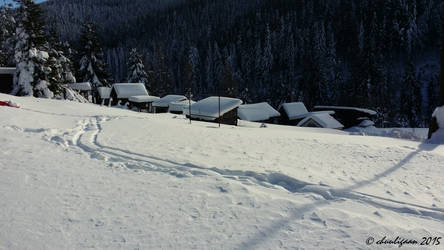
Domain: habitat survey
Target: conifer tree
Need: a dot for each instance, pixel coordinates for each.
(411, 98)
(92, 60)
(136, 69)
(7, 28)
(31, 56)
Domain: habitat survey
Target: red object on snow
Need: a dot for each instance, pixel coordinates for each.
(9, 104)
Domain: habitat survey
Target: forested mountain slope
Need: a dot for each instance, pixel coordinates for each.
(376, 54)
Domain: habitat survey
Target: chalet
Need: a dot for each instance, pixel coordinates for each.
(142, 102)
(209, 109)
(320, 120)
(349, 116)
(258, 112)
(103, 95)
(162, 105)
(83, 88)
(292, 113)
(178, 107)
(121, 92)
(7, 76)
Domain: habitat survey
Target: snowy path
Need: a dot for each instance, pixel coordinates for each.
(80, 176)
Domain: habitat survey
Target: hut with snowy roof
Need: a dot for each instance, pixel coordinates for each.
(83, 88)
(179, 107)
(292, 113)
(208, 110)
(103, 95)
(7, 76)
(349, 116)
(121, 92)
(162, 105)
(258, 112)
(320, 120)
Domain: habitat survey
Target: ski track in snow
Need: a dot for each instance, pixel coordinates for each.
(85, 137)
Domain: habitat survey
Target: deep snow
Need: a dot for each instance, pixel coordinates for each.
(77, 176)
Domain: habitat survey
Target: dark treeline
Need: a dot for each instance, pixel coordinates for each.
(379, 54)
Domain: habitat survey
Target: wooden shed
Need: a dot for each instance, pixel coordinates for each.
(320, 120)
(121, 92)
(208, 110)
(7, 76)
(349, 116)
(162, 105)
(258, 112)
(103, 95)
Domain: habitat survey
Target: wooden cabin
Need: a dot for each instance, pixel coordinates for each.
(142, 102)
(349, 116)
(162, 105)
(83, 88)
(208, 110)
(292, 113)
(258, 112)
(121, 92)
(7, 76)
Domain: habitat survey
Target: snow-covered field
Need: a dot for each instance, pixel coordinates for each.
(76, 176)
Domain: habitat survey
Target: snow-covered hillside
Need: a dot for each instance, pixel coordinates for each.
(77, 176)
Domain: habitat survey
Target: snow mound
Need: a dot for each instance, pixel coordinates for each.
(257, 112)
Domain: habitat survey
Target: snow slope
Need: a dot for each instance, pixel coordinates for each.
(76, 176)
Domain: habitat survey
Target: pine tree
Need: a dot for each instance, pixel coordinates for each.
(31, 54)
(136, 69)
(92, 62)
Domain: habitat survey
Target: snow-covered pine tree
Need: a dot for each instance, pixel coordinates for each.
(7, 28)
(136, 69)
(92, 62)
(31, 56)
(61, 67)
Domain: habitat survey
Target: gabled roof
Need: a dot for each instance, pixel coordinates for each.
(325, 120)
(294, 110)
(166, 100)
(208, 109)
(104, 92)
(82, 86)
(257, 112)
(179, 106)
(126, 90)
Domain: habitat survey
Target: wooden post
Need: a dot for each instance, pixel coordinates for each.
(189, 104)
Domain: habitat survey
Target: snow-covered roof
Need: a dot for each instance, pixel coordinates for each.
(367, 111)
(166, 100)
(323, 119)
(179, 106)
(82, 86)
(366, 123)
(104, 92)
(126, 90)
(7, 70)
(143, 98)
(208, 108)
(257, 112)
(294, 110)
